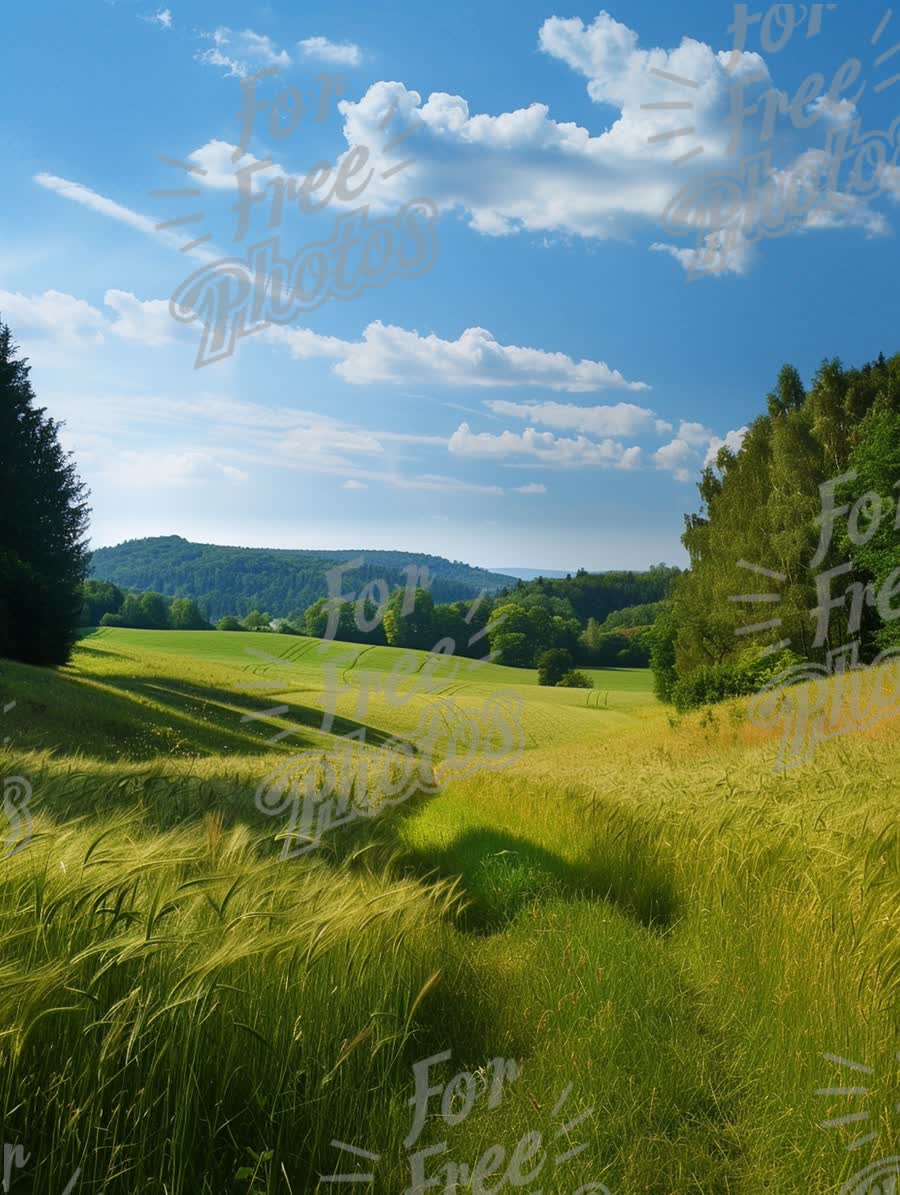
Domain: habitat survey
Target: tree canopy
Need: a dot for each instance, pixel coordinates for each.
(798, 536)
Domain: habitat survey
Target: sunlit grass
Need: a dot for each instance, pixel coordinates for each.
(640, 907)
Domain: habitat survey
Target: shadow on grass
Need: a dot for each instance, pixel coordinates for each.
(115, 716)
(502, 873)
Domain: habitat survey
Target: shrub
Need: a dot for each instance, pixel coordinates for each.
(553, 665)
(749, 673)
(575, 680)
(228, 623)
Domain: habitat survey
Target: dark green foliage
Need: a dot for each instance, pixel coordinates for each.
(594, 595)
(228, 623)
(553, 665)
(231, 580)
(876, 462)
(738, 678)
(575, 680)
(361, 622)
(627, 648)
(99, 598)
(711, 683)
(514, 650)
(662, 653)
(106, 605)
(43, 520)
(408, 620)
(544, 614)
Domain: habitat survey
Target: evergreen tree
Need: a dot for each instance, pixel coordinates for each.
(43, 520)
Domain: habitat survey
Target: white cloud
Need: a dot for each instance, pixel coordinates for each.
(240, 53)
(139, 469)
(694, 434)
(69, 322)
(834, 112)
(622, 419)
(146, 322)
(333, 53)
(437, 483)
(53, 315)
(523, 170)
(163, 18)
(526, 171)
(354, 485)
(694, 447)
(124, 215)
(890, 182)
(386, 354)
(391, 354)
(722, 253)
(678, 457)
(733, 440)
(542, 446)
(534, 487)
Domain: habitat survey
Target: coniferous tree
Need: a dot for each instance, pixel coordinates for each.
(43, 519)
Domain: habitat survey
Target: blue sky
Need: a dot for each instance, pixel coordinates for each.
(547, 392)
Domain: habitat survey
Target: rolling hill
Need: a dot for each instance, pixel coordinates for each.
(280, 581)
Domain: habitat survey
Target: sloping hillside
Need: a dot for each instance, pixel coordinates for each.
(231, 580)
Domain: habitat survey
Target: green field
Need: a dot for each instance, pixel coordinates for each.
(638, 910)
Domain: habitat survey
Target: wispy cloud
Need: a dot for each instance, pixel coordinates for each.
(240, 53)
(163, 18)
(104, 206)
(333, 53)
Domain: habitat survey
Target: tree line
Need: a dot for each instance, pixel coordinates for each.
(798, 534)
(516, 628)
(106, 605)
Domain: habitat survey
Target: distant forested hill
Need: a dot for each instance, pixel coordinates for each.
(280, 581)
(596, 595)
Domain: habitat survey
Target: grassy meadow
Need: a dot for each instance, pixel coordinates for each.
(653, 923)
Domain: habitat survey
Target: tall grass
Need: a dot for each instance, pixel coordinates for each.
(643, 914)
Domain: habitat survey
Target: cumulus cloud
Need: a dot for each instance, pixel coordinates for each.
(544, 447)
(145, 322)
(533, 487)
(523, 170)
(70, 322)
(54, 315)
(387, 353)
(694, 447)
(334, 53)
(678, 457)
